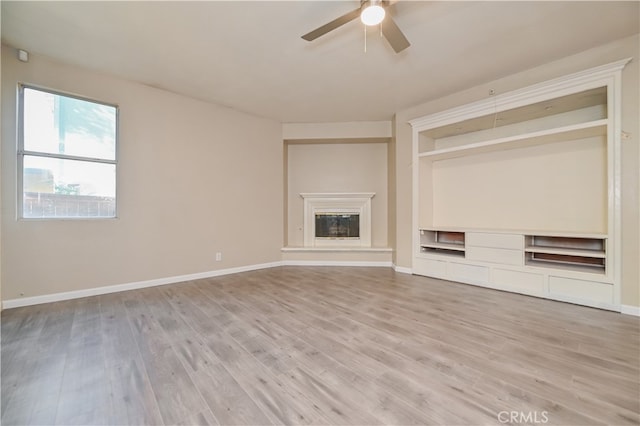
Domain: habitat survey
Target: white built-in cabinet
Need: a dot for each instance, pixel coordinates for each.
(521, 191)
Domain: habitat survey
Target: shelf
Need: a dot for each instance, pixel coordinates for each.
(559, 134)
(444, 246)
(544, 111)
(566, 251)
(442, 251)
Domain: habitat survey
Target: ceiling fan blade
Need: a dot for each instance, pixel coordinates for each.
(332, 25)
(392, 33)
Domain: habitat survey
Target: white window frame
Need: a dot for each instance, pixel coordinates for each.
(21, 153)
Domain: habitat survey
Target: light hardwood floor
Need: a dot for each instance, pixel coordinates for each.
(314, 345)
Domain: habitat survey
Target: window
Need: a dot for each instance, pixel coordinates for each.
(66, 156)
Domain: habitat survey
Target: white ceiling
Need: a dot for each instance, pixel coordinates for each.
(248, 55)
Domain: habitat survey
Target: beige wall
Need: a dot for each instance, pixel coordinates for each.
(337, 167)
(628, 47)
(352, 130)
(513, 189)
(193, 179)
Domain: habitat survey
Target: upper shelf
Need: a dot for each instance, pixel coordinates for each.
(539, 112)
(558, 134)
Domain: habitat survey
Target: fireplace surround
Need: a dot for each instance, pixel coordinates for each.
(330, 219)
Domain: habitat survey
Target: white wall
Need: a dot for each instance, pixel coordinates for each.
(624, 48)
(337, 167)
(193, 179)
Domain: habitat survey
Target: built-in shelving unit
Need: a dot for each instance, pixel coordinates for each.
(520, 191)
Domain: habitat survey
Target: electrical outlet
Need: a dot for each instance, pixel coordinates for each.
(218, 256)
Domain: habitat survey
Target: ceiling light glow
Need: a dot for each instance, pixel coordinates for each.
(372, 15)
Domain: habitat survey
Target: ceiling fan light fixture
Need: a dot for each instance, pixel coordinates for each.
(373, 14)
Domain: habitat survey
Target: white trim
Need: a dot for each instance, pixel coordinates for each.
(76, 294)
(347, 202)
(362, 263)
(68, 295)
(402, 269)
(614, 189)
(336, 249)
(630, 310)
(338, 195)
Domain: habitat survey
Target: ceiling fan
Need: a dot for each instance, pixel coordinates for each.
(371, 12)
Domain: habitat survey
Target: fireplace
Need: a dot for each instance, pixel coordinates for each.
(337, 219)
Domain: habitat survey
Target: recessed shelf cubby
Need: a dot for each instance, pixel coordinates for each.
(442, 242)
(573, 253)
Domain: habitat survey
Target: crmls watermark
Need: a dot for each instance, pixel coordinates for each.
(529, 417)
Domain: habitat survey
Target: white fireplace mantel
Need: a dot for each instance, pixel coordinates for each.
(337, 202)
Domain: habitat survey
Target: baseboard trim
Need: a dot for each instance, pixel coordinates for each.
(630, 310)
(402, 269)
(68, 295)
(363, 263)
(77, 294)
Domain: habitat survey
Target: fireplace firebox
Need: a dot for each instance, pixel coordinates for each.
(337, 225)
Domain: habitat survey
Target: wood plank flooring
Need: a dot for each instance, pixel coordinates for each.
(316, 345)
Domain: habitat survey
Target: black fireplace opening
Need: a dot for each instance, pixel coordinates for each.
(337, 225)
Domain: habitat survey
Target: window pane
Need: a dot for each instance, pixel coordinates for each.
(68, 188)
(58, 124)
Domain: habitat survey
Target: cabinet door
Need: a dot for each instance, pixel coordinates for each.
(430, 268)
(519, 282)
(469, 273)
(495, 255)
(573, 288)
(504, 241)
